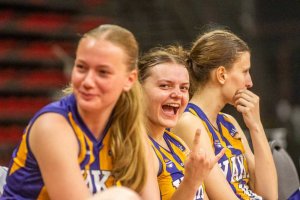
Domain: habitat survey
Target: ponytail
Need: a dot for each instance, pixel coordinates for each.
(128, 150)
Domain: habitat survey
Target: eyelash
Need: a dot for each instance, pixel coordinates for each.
(164, 86)
(185, 88)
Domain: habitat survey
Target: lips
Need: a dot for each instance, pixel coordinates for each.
(86, 96)
(170, 108)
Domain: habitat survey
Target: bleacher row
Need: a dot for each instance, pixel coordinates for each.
(35, 36)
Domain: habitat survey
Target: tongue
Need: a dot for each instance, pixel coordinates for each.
(168, 110)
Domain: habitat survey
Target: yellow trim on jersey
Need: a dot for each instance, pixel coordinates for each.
(80, 136)
(43, 194)
(21, 157)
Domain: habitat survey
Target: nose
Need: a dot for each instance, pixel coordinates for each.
(249, 83)
(88, 80)
(176, 93)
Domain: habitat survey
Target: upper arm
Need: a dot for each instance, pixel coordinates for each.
(55, 147)
(216, 185)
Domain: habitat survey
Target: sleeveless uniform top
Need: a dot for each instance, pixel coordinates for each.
(233, 163)
(171, 165)
(24, 180)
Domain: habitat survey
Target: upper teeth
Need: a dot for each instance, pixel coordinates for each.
(173, 105)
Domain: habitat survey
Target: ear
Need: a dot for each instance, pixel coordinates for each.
(221, 74)
(132, 77)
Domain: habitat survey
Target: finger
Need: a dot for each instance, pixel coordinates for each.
(243, 102)
(196, 141)
(217, 157)
(243, 96)
(245, 93)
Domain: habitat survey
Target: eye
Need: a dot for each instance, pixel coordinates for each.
(80, 67)
(246, 71)
(164, 86)
(103, 72)
(185, 88)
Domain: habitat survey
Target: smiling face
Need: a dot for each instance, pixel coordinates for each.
(238, 77)
(99, 75)
(166, 92)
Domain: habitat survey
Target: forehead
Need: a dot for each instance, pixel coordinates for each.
(91, 49)
(99, 45)
(169, 71)
(243, 62)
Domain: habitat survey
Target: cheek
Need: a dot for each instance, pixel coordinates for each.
(185, 100)
(237, 81)
(75, 80)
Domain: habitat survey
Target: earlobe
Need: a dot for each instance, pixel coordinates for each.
(132, 77)
(221, 74)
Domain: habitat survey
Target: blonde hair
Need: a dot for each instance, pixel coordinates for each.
(127, 127)
(128, 147)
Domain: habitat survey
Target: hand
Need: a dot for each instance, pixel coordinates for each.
(198, 165)
(247, 103)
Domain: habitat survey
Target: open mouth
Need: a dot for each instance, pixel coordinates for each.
(171, 108)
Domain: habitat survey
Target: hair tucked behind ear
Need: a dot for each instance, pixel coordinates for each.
(127, 144)
(213, 49)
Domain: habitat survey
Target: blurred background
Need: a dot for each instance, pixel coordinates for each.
(38, 40)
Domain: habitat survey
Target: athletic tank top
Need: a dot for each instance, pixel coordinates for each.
(24, 180)
(171, 165)
(233, 163)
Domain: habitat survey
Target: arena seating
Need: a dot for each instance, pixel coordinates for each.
(32, 71)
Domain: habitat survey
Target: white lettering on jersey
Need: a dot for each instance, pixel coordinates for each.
(96, 179)
(225, 163)
(248, 192)
(199, 194)
(238, 171)
(177, 182)
(234, 170)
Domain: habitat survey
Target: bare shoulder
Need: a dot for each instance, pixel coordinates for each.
(187, 126)
(187, 121)
(51, 129)
(49, 121)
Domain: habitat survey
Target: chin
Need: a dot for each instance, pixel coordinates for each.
(170, 123)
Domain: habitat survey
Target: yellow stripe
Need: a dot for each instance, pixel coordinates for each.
(80, 135)
(206, 127)
(106, 160)
(20, 159)
(43, 194)
(92, 156)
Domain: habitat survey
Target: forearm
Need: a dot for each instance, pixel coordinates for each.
(265, 180)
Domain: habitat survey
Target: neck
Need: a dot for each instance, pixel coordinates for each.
(210, 101)
(156, 132)
(95, 121)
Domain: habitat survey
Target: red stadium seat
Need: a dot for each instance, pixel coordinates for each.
(7, 47)
(85, 23)
(6, 16)
(7, 76)
(43, 22)
(54, 79)
(20, 107)
(10, 134)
